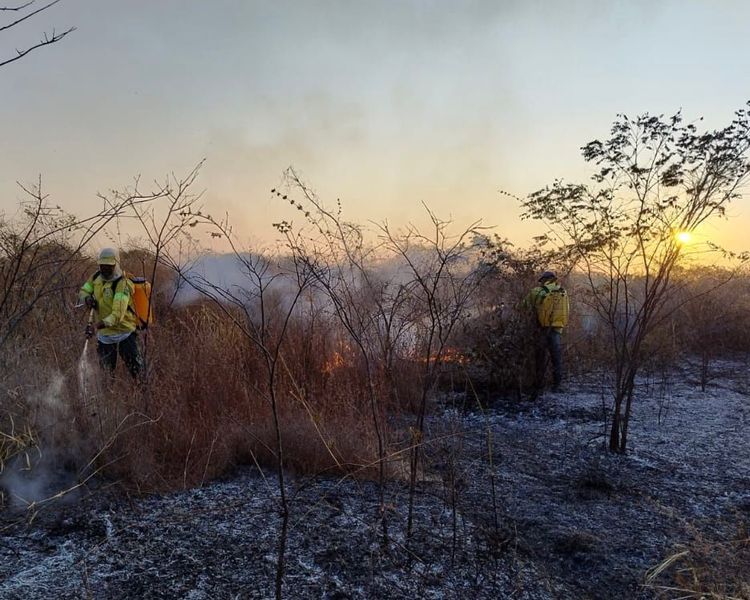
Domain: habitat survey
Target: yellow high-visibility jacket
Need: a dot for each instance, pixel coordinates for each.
(113, 306)
(550, 313)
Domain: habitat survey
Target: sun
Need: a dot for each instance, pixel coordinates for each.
(683, 237)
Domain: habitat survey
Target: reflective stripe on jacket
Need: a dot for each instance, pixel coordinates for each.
(112, 305)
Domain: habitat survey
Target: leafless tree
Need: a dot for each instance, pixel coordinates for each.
(40, 248)
(416, 310)
(255, 311)
(443, 282)
(370, 309)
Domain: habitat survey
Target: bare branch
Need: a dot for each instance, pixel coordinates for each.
(16, 8)
(56, 37)
(31, 14)
(46, 40)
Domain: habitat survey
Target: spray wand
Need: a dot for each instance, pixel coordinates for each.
(90, 325)
(83, 368)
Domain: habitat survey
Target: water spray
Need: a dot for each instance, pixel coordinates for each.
(83, 365)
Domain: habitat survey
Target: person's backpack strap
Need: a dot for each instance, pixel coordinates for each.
(114, 289)
(115, 283)
(540, 296)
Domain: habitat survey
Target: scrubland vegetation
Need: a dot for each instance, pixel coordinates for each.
(327, 355)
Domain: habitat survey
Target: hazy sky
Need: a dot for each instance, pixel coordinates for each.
(383, 104)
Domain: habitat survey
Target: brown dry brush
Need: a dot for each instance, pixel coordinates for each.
(263, 311)
(443, 282)
(366, 308)
(705, 568)
(41, 267)
(207, 410)
(206, 382)
(379, 346)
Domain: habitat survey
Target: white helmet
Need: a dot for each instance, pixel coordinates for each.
(108, 256)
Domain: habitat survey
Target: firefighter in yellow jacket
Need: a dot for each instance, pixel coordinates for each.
(110, 293)
(549, 301)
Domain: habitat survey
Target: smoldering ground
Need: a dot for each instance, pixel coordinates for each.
(42, 457)
(568, 519)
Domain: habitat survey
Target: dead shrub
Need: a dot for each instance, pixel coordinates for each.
(204, 410)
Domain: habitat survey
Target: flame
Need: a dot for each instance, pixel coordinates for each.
(452, 355)
(449, 355)
(340, 359)
(343, 356)
(335, 362)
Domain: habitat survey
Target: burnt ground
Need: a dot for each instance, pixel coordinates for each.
(568, 519)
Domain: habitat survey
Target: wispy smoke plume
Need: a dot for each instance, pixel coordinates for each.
(36, 472)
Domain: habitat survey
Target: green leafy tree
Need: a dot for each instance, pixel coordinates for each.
(656, 179)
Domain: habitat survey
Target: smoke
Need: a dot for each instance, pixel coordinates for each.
(238, 280)
(50, 407)
(36, 472)
(215, 274)
(227, 276)
(22, 487)
(377, 285)
(86, 374)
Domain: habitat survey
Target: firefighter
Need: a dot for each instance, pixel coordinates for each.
(549, 301)
(108, 292)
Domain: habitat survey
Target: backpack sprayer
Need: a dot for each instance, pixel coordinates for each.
(141, 305)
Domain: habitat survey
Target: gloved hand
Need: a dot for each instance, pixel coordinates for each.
(90, 302)
(90, 330)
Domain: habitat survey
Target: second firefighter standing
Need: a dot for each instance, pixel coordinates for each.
(549, 301)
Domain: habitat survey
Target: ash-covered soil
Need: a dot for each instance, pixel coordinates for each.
(547, 512)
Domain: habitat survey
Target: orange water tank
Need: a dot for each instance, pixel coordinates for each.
(144, 309)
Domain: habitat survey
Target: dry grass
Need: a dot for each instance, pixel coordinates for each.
(206, 408)
(706, 569)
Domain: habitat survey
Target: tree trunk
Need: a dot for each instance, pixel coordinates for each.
(614, 432)
(630, 386)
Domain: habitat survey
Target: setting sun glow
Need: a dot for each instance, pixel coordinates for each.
(683, 237)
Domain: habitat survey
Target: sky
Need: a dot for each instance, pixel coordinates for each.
(387, 105)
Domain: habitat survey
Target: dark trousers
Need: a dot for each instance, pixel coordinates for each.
(128, 349)
(549, 344)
